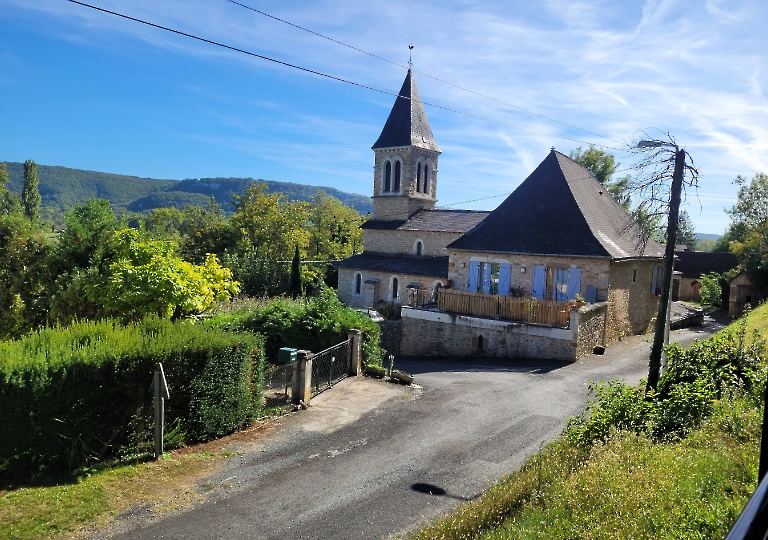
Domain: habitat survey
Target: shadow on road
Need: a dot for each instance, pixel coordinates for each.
(420, 365)
(430, 489)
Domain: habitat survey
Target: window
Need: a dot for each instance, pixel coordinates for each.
(657, 280)
(426, 179)
(559, 284)
(419, 248)
(387, 176)
(358, 283)
(488, 278)
(395, 289)
(634, 275)
(397, 176)
(418, 177)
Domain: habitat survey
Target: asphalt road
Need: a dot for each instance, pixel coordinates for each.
(361, 462)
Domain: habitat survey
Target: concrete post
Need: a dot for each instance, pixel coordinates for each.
(302, 378)
(355, 364)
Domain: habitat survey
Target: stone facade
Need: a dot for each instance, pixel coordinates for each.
(408, 200)
(594, 271)
(592, 328)
(404, 242)
(372, 293)
(689, 289)
(632, 305)
(742, 294)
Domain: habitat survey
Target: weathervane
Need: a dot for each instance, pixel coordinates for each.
(410, 56)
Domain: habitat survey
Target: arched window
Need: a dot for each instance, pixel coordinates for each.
(388, 176)
(395, 288)
(418, 177)
(397, 176)
(419, 248)
(358, 283)
(426, 179)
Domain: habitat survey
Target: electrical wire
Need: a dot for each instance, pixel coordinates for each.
(421, 72)
(332, 77)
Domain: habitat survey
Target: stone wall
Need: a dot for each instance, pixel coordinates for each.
(429, 333)
(403, 242)
(592, 328)
(689, 289)
(593, 271)
(391, 335)
(632, 307)
(372, 293)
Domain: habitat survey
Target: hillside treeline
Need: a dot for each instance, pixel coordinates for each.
(173, 263)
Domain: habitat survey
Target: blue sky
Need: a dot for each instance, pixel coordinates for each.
(83, 89)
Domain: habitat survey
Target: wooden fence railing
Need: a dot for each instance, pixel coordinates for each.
(505, 308)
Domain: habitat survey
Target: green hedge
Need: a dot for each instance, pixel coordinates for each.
(71, 397)
(313, 324)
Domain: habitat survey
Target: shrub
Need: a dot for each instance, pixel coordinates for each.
(695, 380)
(313, 324)
(71, 397)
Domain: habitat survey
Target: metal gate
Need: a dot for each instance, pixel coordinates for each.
(278, 385)
(330, 366)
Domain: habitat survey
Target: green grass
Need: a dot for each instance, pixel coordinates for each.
(626, 487)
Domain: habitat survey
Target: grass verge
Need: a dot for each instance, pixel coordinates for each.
(625, 487)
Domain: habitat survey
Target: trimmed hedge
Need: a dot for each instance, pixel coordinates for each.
(71, 397)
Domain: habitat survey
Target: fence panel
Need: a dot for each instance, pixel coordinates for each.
(330, 366)
(506, 308)
(278, 385)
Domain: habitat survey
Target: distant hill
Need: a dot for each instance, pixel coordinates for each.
(62, 188)
(706, 236)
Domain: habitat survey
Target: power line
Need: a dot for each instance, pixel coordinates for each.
(332, 77)
(420, 72)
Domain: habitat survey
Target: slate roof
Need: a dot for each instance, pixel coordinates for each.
(695, 263)
(458, 221)
(560, 209)
(407, 124)
(419, 266)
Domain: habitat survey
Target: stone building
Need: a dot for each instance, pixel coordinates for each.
(405, 240)
(742, 294)
(691, 265)
(559, 235)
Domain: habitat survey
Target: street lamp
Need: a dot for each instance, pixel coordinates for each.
(661, 336)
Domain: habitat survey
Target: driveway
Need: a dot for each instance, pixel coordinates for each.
(362, 460)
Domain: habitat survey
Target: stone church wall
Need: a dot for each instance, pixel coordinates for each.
(403, 242)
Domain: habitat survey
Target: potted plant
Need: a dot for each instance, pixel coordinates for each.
(578, 300)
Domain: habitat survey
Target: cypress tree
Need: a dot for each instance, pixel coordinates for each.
(30, 195)
(297, 284)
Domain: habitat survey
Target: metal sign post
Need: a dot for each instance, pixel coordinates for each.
(160, 390)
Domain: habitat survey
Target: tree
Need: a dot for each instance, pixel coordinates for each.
(297, 285)
(146, 276)
(334, 229)
(603, 165)
(9, 202)
(685, 232)
(30, 194)
(268, 225)
(86, 231)
(751, 206)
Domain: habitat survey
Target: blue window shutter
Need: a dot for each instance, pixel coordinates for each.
(539, 280)
(505, 273)
(590, 295)
(574, 283)
(473, 276)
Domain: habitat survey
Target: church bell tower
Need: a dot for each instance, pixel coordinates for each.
(405, 163)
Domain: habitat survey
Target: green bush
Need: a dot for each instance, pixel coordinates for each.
(696, 378)
(74, 396)
(313, 324)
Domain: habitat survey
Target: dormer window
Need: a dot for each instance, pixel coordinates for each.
(388, 176)
(397, 176)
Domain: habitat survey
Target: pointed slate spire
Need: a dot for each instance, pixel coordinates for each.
(407, 124)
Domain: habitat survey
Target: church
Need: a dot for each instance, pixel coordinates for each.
(558, 238)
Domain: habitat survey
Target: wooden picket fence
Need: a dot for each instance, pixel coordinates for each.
(505, 308)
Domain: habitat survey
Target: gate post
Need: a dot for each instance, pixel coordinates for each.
(355, 364)
(302, 378)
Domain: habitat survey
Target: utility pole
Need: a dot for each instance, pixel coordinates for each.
(661, 335)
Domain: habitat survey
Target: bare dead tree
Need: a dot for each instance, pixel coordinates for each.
(664, 174)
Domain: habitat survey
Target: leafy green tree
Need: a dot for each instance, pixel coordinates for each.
(9, 202)
(685, 230)
(268, 225)
(206, 231)
(30, 195)
(752, 253)
(146, 276)
(86, 232)
(751, 206)
(603, 165)
(735, 231)
(334, 229)
(164, 223)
